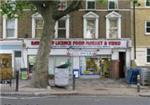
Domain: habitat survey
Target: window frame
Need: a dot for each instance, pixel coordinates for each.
(66, 18)
(5, 28)
(87, 4)
(34, 17)
(108, 17)
(90, 15)
(116, 4)
(146, 33)
(146, 5)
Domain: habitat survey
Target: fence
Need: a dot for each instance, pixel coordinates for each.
(11, 84)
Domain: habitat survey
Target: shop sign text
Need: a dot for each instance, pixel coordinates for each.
(85, 43)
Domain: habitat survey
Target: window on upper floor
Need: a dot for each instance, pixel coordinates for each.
(90, 28)
(10, 27)
(147, 3)
(37, 26)
(148, 56)
(147, 27)
(62, 5)
(90, 4)
(62, 28)
(113, 25)
(112, 4)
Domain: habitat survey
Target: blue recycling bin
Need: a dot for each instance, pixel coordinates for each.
(132, 75)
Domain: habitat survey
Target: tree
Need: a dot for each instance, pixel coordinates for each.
(50, 13)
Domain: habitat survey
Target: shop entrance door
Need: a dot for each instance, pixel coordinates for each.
(122, 64)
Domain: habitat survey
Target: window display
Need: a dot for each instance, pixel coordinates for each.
(95, 66)
(89, 66)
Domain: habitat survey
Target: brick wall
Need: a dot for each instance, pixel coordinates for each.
(76, 22)
(25, 25)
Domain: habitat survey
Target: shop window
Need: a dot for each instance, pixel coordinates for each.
(148, 55)
(88, 66)
(91, 66)
(95, 66)
(90, 4)
(51, 66)
(62, 28)
(37, 26)
(6, 72)
(31, 62)
(147, 27)
(147, 3)
(113, 26)
(91, 25)
(112, 4)
(10, 28)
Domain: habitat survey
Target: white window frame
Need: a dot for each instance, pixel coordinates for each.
(90, 15)
(5, 28)
(146, 33)
(67, 27)
(116, 4)
(34, 17)
(109, 16)
(146, 5)
(87, 4)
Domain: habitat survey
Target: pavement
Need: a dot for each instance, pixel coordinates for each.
(100, 87)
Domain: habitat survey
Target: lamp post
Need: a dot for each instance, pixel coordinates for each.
(135, 3)
(134, 29)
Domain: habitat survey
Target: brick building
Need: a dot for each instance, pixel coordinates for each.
(96, 39)
(142, 23)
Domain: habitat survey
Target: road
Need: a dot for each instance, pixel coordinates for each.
(75, 100)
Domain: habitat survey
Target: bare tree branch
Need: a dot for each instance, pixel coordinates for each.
(74, 5)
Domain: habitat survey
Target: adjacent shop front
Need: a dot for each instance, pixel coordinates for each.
(10, 57)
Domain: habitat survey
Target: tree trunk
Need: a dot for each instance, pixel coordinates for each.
(40, 69)
(49, 13)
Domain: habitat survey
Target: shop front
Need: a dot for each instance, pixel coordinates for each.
(95, 58)
(89, 58)
(9, 60)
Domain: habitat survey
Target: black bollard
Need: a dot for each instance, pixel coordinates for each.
(17, 80)
(10, 83)
(74, 78)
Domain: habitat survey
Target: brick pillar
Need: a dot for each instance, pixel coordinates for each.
(115, 69)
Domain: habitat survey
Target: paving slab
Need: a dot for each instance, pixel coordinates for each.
(83, 87)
